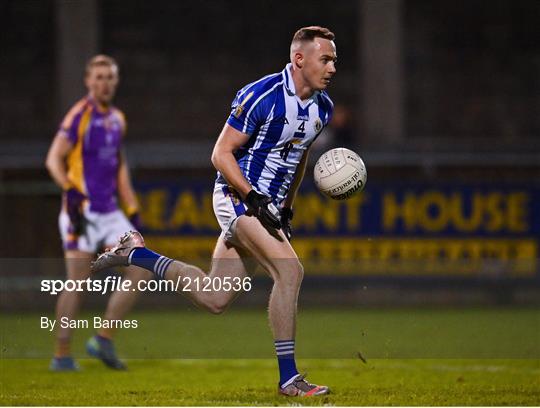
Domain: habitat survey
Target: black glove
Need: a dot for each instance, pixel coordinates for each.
(286, 217)
(258, 204)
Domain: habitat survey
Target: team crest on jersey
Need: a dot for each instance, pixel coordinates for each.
(238, 111)
(108, 123)
(240, 108)
(318, 125)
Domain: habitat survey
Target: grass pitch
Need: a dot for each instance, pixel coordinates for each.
(414, 357)
(252, 382)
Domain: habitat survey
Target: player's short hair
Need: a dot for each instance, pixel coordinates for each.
(307, 34)
(100, 60)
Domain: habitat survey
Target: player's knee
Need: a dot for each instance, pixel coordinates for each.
(217, 306)
(291, 273)
(299, 273)
(216, 309)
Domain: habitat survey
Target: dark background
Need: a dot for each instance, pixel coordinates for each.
(470, 70)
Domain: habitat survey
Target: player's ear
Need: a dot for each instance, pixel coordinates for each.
(298, 60)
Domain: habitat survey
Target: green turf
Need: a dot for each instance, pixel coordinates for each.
(251, 382)
(497, 333)
(414, 357)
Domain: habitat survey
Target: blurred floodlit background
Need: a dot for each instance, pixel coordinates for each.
(441, 99)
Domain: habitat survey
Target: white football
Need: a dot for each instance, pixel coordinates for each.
(340, 173)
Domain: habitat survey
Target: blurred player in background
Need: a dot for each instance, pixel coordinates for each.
(261, 157)
(87, 161)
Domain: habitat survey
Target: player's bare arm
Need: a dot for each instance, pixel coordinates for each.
(297, 181)
(125, 187)
(56, 160)
(224, 161)
(286, 213)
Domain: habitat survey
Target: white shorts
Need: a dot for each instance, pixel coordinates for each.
(227, 208)
(102, 230)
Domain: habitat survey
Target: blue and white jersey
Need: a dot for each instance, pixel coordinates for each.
(280, 127)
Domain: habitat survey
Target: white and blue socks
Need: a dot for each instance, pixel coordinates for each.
(147, 259)
(286, 362)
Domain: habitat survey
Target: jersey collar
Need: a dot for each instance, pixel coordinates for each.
(98, 108)
(288, 80)
(291, 89)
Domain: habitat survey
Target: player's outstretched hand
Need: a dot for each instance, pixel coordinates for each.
(259, 204)
(74, 203)
(286, 217)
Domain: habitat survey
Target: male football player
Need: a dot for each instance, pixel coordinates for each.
(87, 161)
(261, 156)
